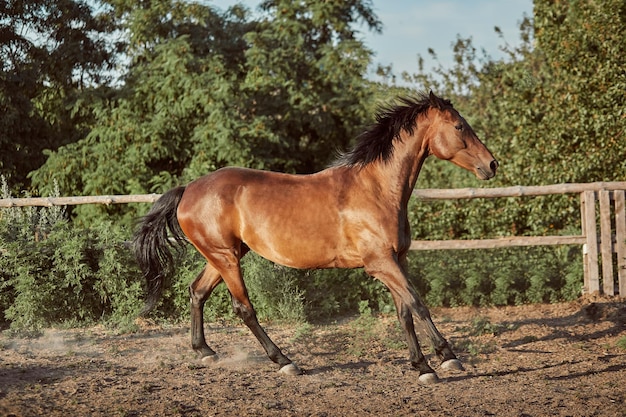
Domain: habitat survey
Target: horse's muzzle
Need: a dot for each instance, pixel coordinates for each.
(486, 173)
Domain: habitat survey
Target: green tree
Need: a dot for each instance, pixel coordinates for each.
(306, 80)
(50, 53)
(207, 89)
(183, 61)
(583, 44)
(552, 111)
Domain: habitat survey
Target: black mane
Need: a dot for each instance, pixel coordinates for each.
(377, 142)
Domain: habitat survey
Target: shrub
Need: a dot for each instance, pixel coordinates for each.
(58, 274)
(274, 289)
(54, 273)
(497, 276)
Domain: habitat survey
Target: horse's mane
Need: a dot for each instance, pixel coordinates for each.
(376, 142)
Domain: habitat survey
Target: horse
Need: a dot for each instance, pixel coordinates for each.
(352, 214)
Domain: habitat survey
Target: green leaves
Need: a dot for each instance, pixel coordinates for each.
(49, 52)
(283, 90)
(53, 273)
(553, 112)
(206, 89)
(497, 277)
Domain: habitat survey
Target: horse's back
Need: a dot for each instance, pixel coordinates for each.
(294, 220)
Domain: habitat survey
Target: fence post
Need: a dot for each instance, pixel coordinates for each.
(590, 250)
(620, 239)
(606, 242)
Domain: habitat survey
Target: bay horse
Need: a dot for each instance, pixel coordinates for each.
(350, 215)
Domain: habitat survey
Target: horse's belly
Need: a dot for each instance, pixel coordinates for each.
(306, 252)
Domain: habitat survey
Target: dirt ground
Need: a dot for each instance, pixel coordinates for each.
(536, 360)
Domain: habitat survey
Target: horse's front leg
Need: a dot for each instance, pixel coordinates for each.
(408, 303)
(442, 348)
(416, 357)
(199, 291)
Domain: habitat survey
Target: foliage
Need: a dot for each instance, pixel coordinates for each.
(53, 273)
(207, 89)
(274, 290)
(550, 112)
(51, 53)
(561, 117)
(364, 329)
(305, 78)
(497, 277)
(283, 89)
(144, 133)
(329, 292)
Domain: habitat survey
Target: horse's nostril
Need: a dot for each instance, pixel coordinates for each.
(494, 165)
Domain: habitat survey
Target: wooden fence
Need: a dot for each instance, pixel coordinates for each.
(610, 242)
(602, 249)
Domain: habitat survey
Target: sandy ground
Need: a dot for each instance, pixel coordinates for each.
(537, 360)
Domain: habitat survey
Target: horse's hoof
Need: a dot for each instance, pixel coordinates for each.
(290, 369)
(430, 378)
(452, 365)
(210, 358)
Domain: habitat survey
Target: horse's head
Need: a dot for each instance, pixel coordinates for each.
(452, 139)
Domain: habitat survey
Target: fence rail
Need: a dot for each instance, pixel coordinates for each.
(74, 201)
(605, 248)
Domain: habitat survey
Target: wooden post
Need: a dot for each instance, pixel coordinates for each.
(590, 250)
(620, 239)
(606, 242)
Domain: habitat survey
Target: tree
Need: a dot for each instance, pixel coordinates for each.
(50, 53)
(584, 47)
(210, 89)
(553, 111)
(305, 77)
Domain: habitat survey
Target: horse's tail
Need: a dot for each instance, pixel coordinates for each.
(153, 246)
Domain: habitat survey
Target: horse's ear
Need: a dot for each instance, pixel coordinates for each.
(434, 100)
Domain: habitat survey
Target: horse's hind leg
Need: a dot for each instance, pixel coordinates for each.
(231, 273)
(199, 291)
(244, 309)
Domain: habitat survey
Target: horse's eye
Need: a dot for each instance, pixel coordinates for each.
(459, 127)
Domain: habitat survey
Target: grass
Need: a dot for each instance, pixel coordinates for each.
(302, 331)
(473, 341)
(364, 330)
(482, 326)
(369, 329)
(394, 337)
(476, 347)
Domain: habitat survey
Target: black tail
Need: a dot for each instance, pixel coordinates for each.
(153, 247)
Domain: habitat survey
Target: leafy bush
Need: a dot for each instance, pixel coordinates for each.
(497, 276)
(332, 292)
(53, 273)
(274, 290)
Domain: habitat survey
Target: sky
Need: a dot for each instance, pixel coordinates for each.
(411, 27)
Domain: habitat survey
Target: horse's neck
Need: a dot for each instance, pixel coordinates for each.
(398, 175)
